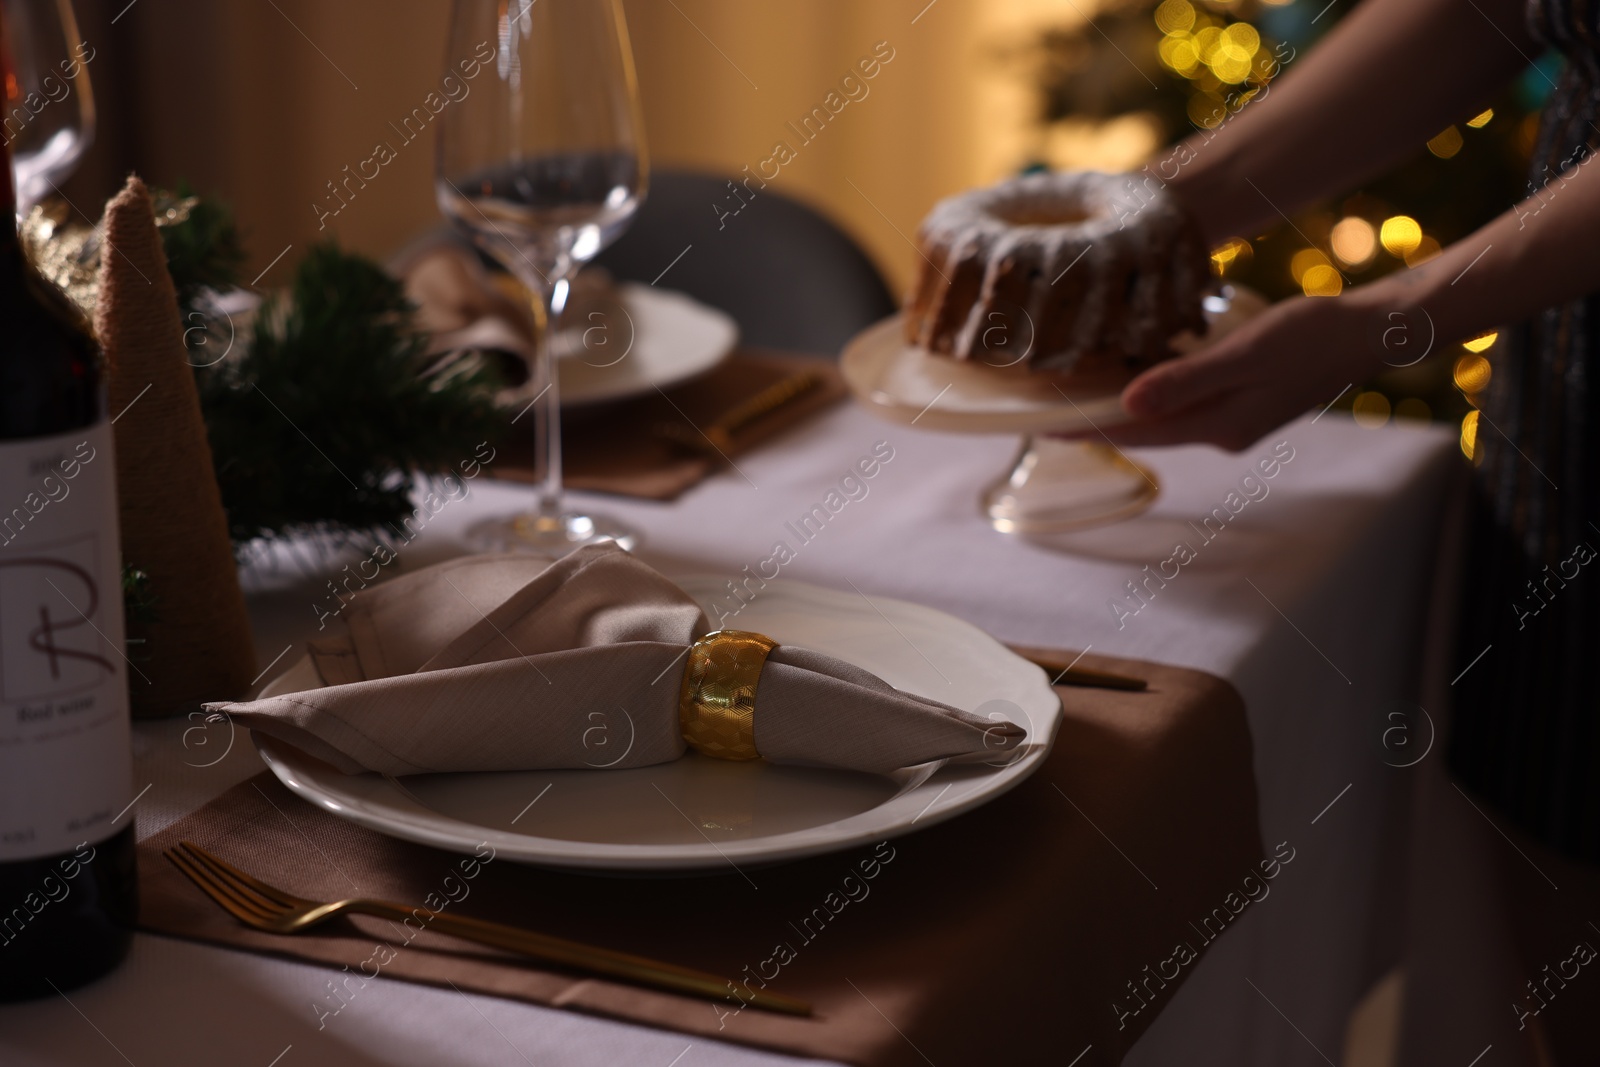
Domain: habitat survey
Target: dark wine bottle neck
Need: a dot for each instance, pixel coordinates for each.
(8, 186)
(10, 242)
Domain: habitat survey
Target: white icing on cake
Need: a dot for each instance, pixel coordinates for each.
(1094, 263)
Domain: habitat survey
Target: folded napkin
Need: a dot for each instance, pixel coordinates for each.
(466, 308)
(496, 663)
(476, 317)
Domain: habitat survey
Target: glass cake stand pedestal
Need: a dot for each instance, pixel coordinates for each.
(1052, 485)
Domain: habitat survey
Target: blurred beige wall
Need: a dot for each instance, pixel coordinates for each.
(265, 101)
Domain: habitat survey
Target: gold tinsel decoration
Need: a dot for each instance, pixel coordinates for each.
(68, 253)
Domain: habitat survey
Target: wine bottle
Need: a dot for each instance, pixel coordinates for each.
(67, 887)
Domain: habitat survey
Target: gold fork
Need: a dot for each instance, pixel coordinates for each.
(264, 907)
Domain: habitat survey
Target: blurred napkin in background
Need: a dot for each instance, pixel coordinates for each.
(495, 663)
(468, 308)
(638, 449)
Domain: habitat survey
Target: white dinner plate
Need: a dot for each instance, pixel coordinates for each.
(701, 813)
(664, 338)
(907, 384)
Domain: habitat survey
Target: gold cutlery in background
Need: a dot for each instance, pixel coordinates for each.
(716, 439)
(264, 907)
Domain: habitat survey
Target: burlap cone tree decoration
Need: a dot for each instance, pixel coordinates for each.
(198, 646)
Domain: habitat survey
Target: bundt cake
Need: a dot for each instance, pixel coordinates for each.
(1079, 272)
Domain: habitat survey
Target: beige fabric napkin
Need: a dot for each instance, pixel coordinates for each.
(465, 307)
(494, 663)
(474, 316)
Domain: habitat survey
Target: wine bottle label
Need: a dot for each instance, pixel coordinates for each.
(66, 774)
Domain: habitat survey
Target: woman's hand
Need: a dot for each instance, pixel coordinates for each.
(1297, 355)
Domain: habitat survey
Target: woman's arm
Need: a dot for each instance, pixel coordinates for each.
(1385, 79)
(1303, 352)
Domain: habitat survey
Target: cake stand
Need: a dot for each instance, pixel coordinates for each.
(1052, 485)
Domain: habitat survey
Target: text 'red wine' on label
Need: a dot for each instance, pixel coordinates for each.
(65, 769)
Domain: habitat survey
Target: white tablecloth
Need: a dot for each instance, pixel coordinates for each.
(1310, 600)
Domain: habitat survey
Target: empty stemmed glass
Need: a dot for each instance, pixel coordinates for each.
(48, 107)
(541, 162)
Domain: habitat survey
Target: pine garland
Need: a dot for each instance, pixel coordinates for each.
(322, 416)
(203, 249)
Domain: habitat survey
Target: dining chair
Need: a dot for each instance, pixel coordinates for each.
(788, 275)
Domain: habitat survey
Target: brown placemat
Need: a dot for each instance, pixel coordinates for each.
(614, 448)
(1043, 925)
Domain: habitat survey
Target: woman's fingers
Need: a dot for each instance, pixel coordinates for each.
(1293, 356)
(1173, 386)
(1186, 381)
(1234, 421)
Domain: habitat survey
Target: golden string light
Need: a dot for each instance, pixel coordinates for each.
(1235, 251)
(1426, 249)
(1400, 235)
(1354, 241)
(1471, 373)
(1446, 142)
(1315, 275)
(1175, 16)
(1371, 409)
(1210, 51)
(1303, 261)
(1321, 280)
(1469, 434)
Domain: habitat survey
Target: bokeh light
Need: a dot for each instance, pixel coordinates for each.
(1232, 56)
(1354, 241)
(1478, 122)
(1242, 39)
(1174, 16)
(1235, 252)
(1446, 143)
(1206, 110)
(1212, 52)
(1230, 69)
(1426, 249)
(1527, 134)
(1303, 261)
(1413, 409)
(1400, 234)
(1471, 373)
(1469, 434)
(1179, 53)
(1370, 410)
(1321, 280)
(1481, 343)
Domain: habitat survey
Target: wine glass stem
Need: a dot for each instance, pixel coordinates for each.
(546, 408)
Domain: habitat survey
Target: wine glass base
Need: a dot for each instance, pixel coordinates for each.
(549, 535)
(1055, 486)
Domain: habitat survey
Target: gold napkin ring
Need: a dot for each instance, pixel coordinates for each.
(716, 706)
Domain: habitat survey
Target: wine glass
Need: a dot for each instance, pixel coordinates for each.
(48, 103)
(541, 162)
